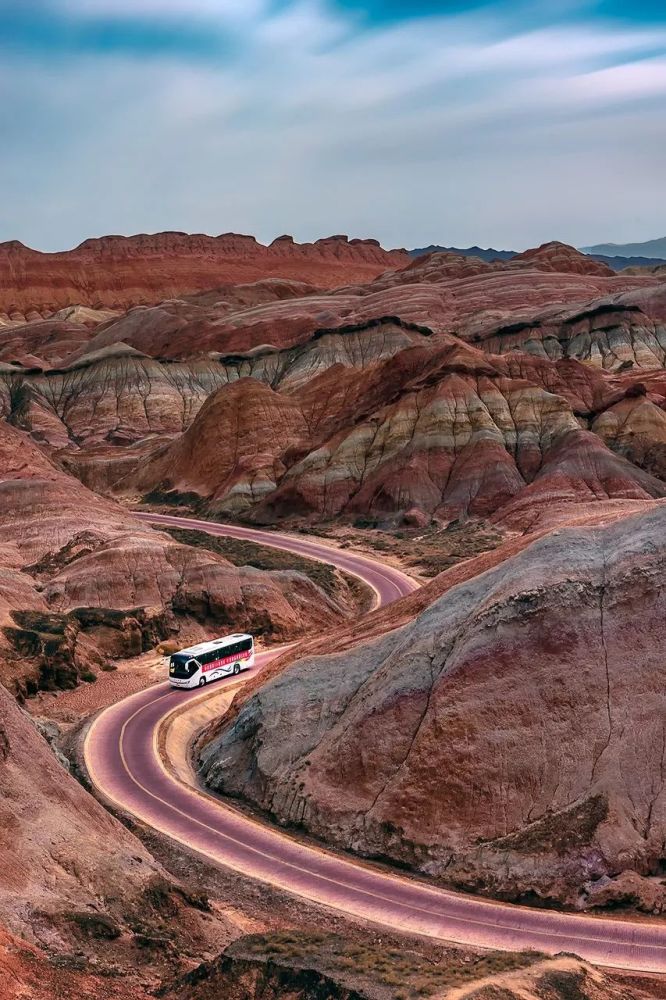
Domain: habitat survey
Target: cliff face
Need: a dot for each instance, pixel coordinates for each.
(485, 743)
(118, 272)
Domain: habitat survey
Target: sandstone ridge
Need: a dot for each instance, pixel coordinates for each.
(119, 271)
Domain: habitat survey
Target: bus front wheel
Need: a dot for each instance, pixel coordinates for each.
(202, 682)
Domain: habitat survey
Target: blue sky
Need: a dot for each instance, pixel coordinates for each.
(501, 122)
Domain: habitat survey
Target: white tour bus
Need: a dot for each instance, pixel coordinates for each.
(198, 665)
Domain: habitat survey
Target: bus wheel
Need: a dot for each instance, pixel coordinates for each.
(236, 668)
(202, 682)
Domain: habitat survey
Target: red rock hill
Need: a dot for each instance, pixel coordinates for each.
(121, 271)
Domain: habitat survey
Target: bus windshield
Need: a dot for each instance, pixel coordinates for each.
(182, 666)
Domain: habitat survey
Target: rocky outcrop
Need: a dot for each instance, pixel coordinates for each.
(562, 258)
(484, 744)
(119, 272)
(635, 425)
(616, 333)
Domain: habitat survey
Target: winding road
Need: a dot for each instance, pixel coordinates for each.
(122, 758)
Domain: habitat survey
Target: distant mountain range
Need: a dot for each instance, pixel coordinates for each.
(650, 249)
(616, 255)
(621, 263)
(469, 252)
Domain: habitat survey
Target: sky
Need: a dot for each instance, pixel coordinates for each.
(499, 123)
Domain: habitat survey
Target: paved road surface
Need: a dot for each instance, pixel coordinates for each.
(122, 760)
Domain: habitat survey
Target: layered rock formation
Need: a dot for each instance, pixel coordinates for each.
(448, 431)
(500, 729)
(374, 428)
(616, 333)
(508, 740)
(118, 271)
(441, 292)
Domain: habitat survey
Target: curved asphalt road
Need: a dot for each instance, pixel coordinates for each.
(122, 759)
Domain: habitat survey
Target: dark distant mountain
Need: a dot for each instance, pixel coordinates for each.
(621, 263)
(618, 261)
(651, 249)
(470, 252)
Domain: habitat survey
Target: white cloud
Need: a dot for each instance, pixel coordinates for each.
(617, 83)
(238, 10)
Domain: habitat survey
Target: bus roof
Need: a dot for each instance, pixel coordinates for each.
(205, 647)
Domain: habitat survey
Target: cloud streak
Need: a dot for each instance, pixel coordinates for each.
(262, 116)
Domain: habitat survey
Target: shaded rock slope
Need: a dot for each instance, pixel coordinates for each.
(509, 740)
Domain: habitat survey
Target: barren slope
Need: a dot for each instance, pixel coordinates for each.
(61, 886)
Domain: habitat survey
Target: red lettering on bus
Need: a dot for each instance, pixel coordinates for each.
(226, 659)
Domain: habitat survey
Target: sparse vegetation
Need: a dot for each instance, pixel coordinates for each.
(172, 498)
(391, 972)
(244, 553)
(559, 984)
(429, 550)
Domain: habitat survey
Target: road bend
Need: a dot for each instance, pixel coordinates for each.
(125, 767)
